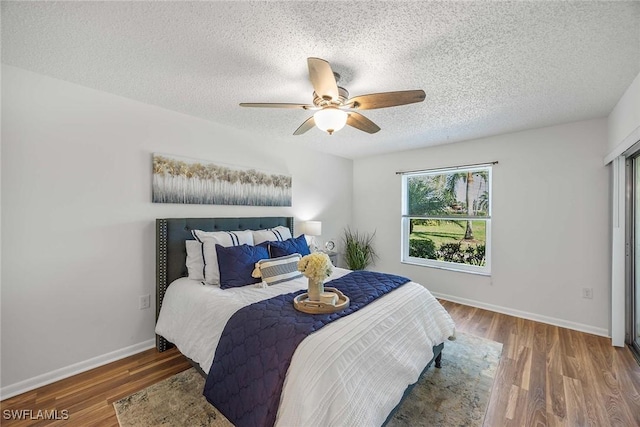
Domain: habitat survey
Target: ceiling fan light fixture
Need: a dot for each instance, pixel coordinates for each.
(330, 119)
(330, 102)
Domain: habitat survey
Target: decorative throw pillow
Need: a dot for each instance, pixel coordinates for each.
(194, 262)
(278, 270)
(296, 245)
(238, 237)
(237, 263)
(278, 234)
(209, 240)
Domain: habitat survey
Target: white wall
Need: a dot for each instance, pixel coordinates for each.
(78, 226)
(550, 225)
(624, 121)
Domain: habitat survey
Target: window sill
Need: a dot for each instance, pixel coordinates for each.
(441, 267)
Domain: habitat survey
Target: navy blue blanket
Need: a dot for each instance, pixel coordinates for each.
(252, 358)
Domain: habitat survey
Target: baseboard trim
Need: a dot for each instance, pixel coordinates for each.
(77, 368)
(581, 327)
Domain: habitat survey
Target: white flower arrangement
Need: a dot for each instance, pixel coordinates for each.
(316, 266)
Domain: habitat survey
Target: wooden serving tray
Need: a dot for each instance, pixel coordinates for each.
(302, 303)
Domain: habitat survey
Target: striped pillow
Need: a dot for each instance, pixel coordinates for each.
(278, 270)
(278, 234)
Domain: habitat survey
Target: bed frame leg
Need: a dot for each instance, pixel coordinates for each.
(162, 344)
(438, 360)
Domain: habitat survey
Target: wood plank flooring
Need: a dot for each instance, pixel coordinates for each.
(548, 376)
(551, 376)
(89, 397)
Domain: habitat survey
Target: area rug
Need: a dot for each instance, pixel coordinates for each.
(456, 395)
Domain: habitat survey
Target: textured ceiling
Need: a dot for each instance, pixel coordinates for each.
(486, 67)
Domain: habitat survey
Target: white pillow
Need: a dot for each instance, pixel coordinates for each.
(278, 270)
(209, 240)
(195, 263)
(279, 233)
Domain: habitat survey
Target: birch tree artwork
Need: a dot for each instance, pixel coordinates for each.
(180, 180)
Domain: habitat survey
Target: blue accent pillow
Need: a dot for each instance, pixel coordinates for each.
(297, 245)
(237, 263)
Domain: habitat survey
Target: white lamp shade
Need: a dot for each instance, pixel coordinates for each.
(313, 228)
(330, 119)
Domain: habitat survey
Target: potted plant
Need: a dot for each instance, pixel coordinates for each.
(358, 249)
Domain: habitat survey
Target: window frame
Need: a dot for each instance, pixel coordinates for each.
(405, 258)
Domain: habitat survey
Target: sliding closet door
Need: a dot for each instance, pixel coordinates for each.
(634, 289)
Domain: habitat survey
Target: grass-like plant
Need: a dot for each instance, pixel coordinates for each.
(358, 249)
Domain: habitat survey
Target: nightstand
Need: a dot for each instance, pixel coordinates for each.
(333, 256)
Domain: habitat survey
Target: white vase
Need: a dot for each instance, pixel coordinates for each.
(316, 287)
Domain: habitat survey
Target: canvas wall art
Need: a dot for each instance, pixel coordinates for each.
(183, 180)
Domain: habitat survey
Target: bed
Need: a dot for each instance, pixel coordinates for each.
(353, 371)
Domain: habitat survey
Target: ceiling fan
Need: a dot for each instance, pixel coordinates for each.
(332, 105)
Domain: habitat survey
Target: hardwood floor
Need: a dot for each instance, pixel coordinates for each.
(89, 397)
(551, 376)
(548, 376)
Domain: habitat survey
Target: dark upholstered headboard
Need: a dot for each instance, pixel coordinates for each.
(171, 253)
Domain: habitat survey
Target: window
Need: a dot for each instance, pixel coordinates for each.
(446, 218)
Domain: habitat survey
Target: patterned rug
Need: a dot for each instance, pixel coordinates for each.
(456, 395)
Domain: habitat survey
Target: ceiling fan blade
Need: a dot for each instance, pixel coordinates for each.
(308, 124)
(275, 105)
(322, 79)
(359, 121)
(387, 99)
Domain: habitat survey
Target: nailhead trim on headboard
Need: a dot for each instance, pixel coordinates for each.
(161, 265)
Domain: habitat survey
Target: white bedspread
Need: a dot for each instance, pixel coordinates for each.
(352, 372)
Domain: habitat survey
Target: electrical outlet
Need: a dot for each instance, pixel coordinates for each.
(587, 293)
(145, 301)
